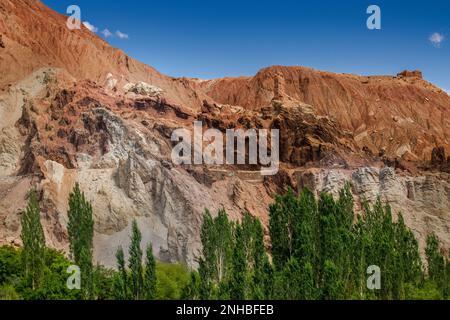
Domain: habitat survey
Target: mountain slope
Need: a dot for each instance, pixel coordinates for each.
(68, 114)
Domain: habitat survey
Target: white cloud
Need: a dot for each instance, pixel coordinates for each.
(436, 39)
(106, 33)
(121, 35)
(91, 27)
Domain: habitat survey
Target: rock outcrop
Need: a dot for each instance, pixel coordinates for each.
(410, 74)
(143, 88)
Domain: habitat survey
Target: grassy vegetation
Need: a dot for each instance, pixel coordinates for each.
(171, 279)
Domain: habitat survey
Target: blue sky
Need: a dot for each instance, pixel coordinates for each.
(210, 39)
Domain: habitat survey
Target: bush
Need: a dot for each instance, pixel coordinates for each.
(54, 284)
(171, 280)
(8, 292)
(429, 291)
(104, 283)
(10, 265)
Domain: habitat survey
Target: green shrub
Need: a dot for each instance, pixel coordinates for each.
(171, 280)
(429, 291)
(54, 284)
(8, 292)
(10, 265)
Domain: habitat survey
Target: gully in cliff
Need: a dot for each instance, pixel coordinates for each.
(213, 153)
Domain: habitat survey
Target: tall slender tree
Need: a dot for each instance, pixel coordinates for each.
(332, 285)
(409, 262)
(150, 274)
(216, 261)
(238, 281)
(436, 262)
(33, 240)
(330, 245)
(206, 263)
(447, 278)
(135, 262)
(81, 234)
(345, 220)
(434, 258)
(121, 280)
(268, 279)
(224, 240)
(291, 281)
(258, 288)
(281, 227)
(308, 290)
(192, 290)
(306, 229)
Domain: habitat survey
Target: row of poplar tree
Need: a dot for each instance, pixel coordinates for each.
(137, 282)
(318, 250)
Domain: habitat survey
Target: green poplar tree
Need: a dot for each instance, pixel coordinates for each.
(224, 239)
(121, 280)
(345, 221)
(150, 274)
(436, 263)
(306, 229)
(267, 280)
(292, 280)
(409, 262)
(330, 244)
(447, 279)
(81, 234)
(238, 281)
(308, 290)
(207, 261)
(391, 288)
(281, 227)
(435, 260)
(216, 262)
(258, 288)
(359, 247)
(135, 262)
(192, 290)
(33, 240)
(332, 285)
